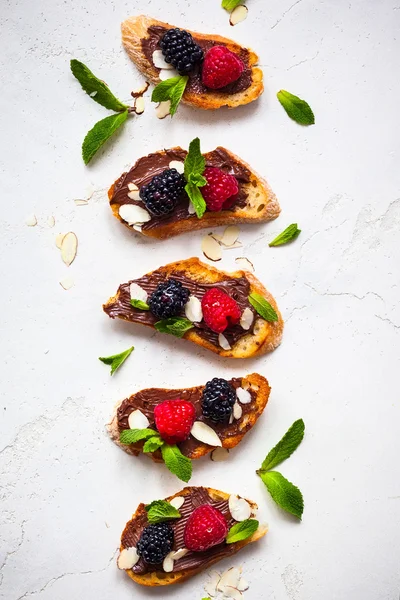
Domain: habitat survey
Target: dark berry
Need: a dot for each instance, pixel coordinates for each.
(155, 543)
(180, 50)
(168, 299)
(161, 195)
(217, 400)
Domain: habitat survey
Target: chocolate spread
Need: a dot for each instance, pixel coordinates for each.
(192, 560)
(236, 288)
(147, 400)
(147, 167)
(195, 85)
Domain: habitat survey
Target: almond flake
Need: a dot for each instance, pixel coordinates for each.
(219, 454)
(128, 558)
(80, 202)
(211, 586)
(204, 433)
(230, 577)
(191, 208)
(67, 283)
(238, 14)
(137, 227)
(231, 419)
(139, 105)
(69, 248)
(59, 239)
(177, 502)
(211, 248)
(168, 562)
(245, 264)
(223, 342)
(243, 396)
(237, 410)
(137, 292)
(230, 235)
(132, 187)
(247, 318)
(51, 221)
(232, 593)
(239, 508)
(180, 553)
(31, 221)
(165, 74)
(141, 90)
(178, 165)
(134, 195)
(162, 110)
(137, 420)
(133, 214)
(243, 585)
(235, 245)
(159, 60)
(193, 310)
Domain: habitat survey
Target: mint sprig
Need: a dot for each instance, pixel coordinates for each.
(171, 89)
(242, 531)
(288, 235)
(161, 510)
(100, 133)
(132, 436)
(140, 304)
(296, 108)
(263, 307)
(116, 360)
(176, 326)
(230, 4)
(193, 171)
(282, 491)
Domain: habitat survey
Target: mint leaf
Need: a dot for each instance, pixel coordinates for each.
(297, 109)
(285, 448)
(153, 444)
(116, 360)
(97, 89)
(176, 326)
(176, 462)
(196, 198)
(100, 133)
(140, 304)
(170, 89)
(263, 307)
(197, 180)
(242, 531)
(131, 436)
(285, 494)
(230, 4)
(289, 234)
(194, 162)
(161, 510)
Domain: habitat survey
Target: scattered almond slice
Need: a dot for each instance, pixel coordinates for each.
(230, 577)
(137, 292)
(141, 91)
(165, 74)
(238, 14)
(243, 585)
(132, 187)
(168, 562)
(81, 202)
(232, 593)
(139, 105)
(235, 245)
(210, 587)
(230, 235)
(134, 195)
(239, 508)
(191, 208)
(51, 221)
(243, 396)
(162, 110)
(237, 411)
(245, 264)
(180, 553)
(31, 220)
(67, 283)
(137, 420)
(137, 227)
(204, 433)
(247, 318)
(223, 342)
(231, 419)
(159, 60)
(193, 310)
(69, 248)
(177, 502)
(211, 248)
(128, 558)
(219, 454)
(59, 239)
(133, 214)
(178, 165)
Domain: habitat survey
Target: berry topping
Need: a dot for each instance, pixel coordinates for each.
(205, 528)
(174, 420)
(220, 190)
(221, 67)
(161, 195)
(155, 543)
(217, 400)
(219, 310)
(168, 299)
(180, 50)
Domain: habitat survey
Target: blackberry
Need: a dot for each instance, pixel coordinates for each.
(161, 195)
(168, 299)
(155, 542)
(217, 400)
(180, 49)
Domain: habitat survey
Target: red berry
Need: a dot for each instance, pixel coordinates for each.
(174, 420)
(219, 310)
(206, 527)
(219, 188)
(221, 67)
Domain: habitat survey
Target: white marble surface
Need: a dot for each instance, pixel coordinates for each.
(66, 489)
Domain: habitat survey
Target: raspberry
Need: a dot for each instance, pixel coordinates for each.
(168, 299)
(219, 310)
(221, 67)
(217, 400)
(206, 527)
(219, 189)
(162, 193)
(174, 420)
(180, 50)
(155, 543)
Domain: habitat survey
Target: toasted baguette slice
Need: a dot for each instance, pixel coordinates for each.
(260, 202)
(135, 29)
(229, 434)
(210, 557)
(265, 337)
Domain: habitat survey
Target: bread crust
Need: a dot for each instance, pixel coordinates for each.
(134, 29)
(158, 578)
(261, 205)
(256, 382)
(266, 337)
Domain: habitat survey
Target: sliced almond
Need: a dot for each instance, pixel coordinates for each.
(69, 248)
(137, 420)
(168, 562)
(178, 165)
(239, 508)
(230, 235)
(235, 245)
(204, 433)
(193, 310)
(51, 221)
(243, 396)
(230, 577)
(137, 292)
(165, 74)
(162, 110)
(219, 454)
(243, 585)
(134, 195)
(232, 593)
(31, 220)
(81, 202)
(247, 318)
(223, 342)
(142, 90)
(59, 239)
(238, 14)
(237, 411)
(177, 502)
(159, 60)
(132, 214)
(231, 419)
(132, 187)
(191, 208)
(127, 559)
(67, 283)
(211, 248)
(245, 264)
(139, 105)
(137, 227)
(210, 586)
(180, 553)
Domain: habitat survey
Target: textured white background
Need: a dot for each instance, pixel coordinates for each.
(66, 490)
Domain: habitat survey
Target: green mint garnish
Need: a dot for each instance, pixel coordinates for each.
(97, 89)
(176, 326)
(161, 510)
(153, 444)
(230, 4)
(263, 307)
(288, 235)
(131, 436)
(194, 169)
(242, 531)
(170, 89)
(285, 448)
(116, 360)
(100, 133)
(176, 462)
(297, 109)
(140, 304)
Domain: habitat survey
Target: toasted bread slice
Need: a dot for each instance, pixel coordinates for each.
(204, 560)
(257, 202)
(229, 434)
(263, 337)
(135, 30)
